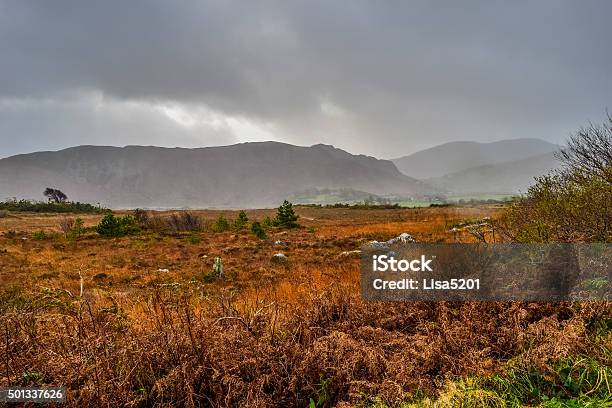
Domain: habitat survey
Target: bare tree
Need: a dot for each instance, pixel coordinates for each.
(589, 151)
(185, 221)
(66, 225)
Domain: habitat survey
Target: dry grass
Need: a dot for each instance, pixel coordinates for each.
(102, 317)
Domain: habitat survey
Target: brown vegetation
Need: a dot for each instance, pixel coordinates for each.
(135, 321)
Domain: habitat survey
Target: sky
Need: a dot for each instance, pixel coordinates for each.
(382, 78)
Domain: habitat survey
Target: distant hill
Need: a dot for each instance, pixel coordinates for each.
(509, 177)
(242, 175)
(457, 156)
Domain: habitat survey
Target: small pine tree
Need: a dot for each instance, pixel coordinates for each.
(111, 226)
(108, 226)
(258, 230)
(241, 221)
(77, 230)
(285, 216)
(267, 222)
(221, 224)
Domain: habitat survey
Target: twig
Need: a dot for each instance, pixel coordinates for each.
(81, 278)
(8, 379)
(240, 319)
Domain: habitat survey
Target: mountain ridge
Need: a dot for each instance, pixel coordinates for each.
(251, 174)
(506, 177)
(453, 157)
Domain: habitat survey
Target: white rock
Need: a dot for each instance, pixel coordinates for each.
(404, 237)
(378, 245)
(347, 253)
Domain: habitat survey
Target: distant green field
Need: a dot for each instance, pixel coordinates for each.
(346, 196)
(418, 203)
(341, 196)
(482, 197)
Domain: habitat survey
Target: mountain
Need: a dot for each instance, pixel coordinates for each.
(242, 175)
(457, 156)
(509, 177)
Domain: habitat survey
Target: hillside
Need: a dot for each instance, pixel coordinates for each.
(243, 175)
(457, 156)
(509, 177)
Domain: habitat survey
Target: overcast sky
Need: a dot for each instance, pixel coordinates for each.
(373, 77)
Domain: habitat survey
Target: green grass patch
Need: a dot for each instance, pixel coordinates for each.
(577, 381)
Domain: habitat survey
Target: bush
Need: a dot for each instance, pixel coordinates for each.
(195, 239)
(78, 229)
(258, 230)
(241, 221)
(267, 222)
(141, 217)
(40, 235)
(285, 216)
(3, 213)
(573, 204)
(589, 152)
(185, 221)
(562, 208)
(66, 225)
(111, 226)
(72, 228)
(221, 224)
(156, 223)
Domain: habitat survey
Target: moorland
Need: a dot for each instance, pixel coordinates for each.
(149, 318)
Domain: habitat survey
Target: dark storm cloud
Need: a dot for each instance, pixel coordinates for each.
(372, 77)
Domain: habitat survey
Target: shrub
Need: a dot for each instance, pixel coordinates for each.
(285, 216)
(562, 208)
(157, 223)
(195, 239)
(573, 204)
(221, 224)
(66, 225)
(40, 235)
(241, 221)
(78, 229)
(72, 228)
(258, 230)
(141, 217)
(50, 207)
(185, 221)
(589, 152)
(111, 226)
(267, 222)
(3, 213)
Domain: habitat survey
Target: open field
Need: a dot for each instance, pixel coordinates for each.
(138, 320)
